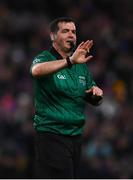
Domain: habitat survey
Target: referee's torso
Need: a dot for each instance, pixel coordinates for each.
(59, 98)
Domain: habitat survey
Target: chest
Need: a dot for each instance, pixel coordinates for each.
(70, 81)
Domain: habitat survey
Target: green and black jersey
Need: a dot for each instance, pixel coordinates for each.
(59, 97)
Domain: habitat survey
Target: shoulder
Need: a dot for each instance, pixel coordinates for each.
(42, 57)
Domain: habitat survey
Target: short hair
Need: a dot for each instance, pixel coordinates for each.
(53, 26)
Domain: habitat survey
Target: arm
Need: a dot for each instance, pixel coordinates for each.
(78, 57)
(47, 68)
(94, 95)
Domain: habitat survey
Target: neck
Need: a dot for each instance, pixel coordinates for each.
(62, 53)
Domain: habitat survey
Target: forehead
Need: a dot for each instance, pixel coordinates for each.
(66, 25)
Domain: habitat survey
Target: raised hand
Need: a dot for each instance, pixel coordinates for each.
(80, 54)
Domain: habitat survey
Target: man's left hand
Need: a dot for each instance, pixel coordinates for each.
(95, 91)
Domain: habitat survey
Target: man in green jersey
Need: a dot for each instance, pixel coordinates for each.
(62, 84)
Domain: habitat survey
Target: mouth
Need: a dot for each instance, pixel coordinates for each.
(71, 43)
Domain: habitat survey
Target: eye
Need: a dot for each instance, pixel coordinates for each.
(74, 31)
(65, 30)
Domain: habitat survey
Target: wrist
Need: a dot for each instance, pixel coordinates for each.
(71, 60)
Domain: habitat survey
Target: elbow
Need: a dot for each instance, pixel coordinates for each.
(35, 71)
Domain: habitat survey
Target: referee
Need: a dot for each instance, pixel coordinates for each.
(62, 83)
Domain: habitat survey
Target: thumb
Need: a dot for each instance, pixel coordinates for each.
(88, 58)
(89, 91)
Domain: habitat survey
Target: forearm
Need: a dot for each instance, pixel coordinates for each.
(46, 68)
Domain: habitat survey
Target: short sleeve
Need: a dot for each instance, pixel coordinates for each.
(89, 79)
(39, 59)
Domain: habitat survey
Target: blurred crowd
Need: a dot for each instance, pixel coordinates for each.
(108, 135)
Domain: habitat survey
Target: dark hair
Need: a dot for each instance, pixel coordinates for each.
(54, 24)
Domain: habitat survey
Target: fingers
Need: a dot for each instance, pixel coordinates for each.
(80, 45)
(88, 91)
(88, 58)
(86, 45)
(95, 91)
(80, 54)
(89, 45)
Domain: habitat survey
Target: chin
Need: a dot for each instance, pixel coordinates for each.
(67, 50)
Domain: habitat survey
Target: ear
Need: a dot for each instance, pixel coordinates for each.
(52, 36)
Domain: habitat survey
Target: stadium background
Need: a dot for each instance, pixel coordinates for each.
(108, 136)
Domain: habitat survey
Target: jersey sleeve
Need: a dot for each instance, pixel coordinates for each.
(39, 59)
(89, 79)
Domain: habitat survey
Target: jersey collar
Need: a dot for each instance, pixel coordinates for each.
(55, 53)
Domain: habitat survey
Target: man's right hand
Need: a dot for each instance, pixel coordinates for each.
(80, 54)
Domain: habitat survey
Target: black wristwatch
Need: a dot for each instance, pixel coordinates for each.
(69, 62)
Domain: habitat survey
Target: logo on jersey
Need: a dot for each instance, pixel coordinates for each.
(60, 76)
(36, 60)
(82, 80)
